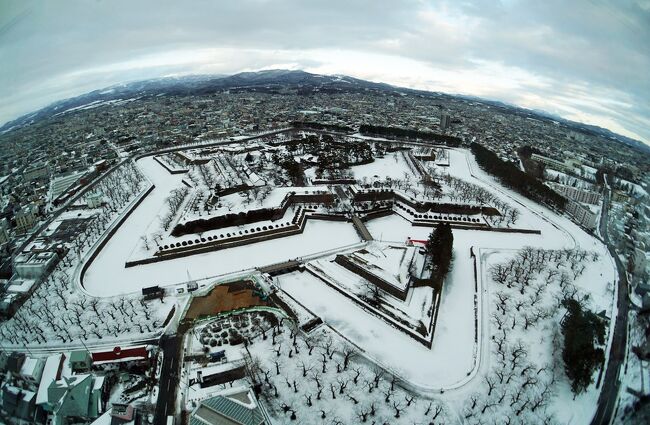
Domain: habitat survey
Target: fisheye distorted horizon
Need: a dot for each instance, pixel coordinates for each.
(582, 60)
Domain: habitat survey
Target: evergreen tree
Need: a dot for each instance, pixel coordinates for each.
(582, 330)
(439, 247)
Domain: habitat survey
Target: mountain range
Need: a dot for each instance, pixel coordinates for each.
(276, 81)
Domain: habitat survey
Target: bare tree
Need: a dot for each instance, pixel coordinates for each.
(347, 352)
(305, 368)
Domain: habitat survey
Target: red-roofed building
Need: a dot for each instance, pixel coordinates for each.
(118, 354)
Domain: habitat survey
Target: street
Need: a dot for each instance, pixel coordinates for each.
(609, 391)
(172, 357)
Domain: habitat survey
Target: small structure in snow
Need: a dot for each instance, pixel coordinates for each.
(80, 361)
(236, 408)
(153, 292)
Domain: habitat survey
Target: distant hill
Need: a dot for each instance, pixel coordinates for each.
(274, 81)
(270, 81)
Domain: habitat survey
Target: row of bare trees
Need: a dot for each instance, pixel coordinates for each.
(466, 192)
(321, 379)
(55, 311)
(173, 202)
(58, 311)
(521, 384)
(119, 187)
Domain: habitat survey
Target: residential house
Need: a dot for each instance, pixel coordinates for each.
(80, 361)
(238, 408)
(25, 218)
(52, 371)
(32, 370)
(18, 403)
(76, 396)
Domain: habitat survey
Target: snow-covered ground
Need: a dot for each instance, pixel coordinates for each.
(59, 314)
(461, 356)
(447, 363)
(454, 354)
(392, 166)
(107, 276)
(311, 377)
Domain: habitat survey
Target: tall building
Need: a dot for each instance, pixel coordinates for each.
(60, 184)
(445, 120)
(582, 215)
(577, 194)
(26, 217)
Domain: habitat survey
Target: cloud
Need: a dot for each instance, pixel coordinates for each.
(582, 59)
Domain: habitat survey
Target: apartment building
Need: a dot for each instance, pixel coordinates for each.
(26, 217)
(577, 194)
(582, 215)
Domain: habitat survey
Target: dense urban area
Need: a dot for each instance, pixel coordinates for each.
(282, 247)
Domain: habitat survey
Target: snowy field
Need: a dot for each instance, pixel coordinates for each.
(107, 276)
(392, 166)
(447, 363)
(462, 360)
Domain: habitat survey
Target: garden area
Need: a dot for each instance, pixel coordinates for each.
(226, 297)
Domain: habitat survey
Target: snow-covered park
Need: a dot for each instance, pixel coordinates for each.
(494, 351)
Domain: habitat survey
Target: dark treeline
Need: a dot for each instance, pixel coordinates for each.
(424, 207)
(377, 130)
(534, 168)
(528, 151)
(311, 125)
(227, 220)
(439, 247)
(333, 155)
(516, 179)
(582, 330)
(294, 170)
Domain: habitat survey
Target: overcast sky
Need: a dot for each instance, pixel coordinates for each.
(585, 60)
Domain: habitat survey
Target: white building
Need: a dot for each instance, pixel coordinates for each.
(32, 370)
(61, 184)
(577, 194)
(582, 215)
(52, 371)
(34, 265)
(553, 163)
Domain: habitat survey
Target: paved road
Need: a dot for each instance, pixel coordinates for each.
(169, 377)
(611, 385)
